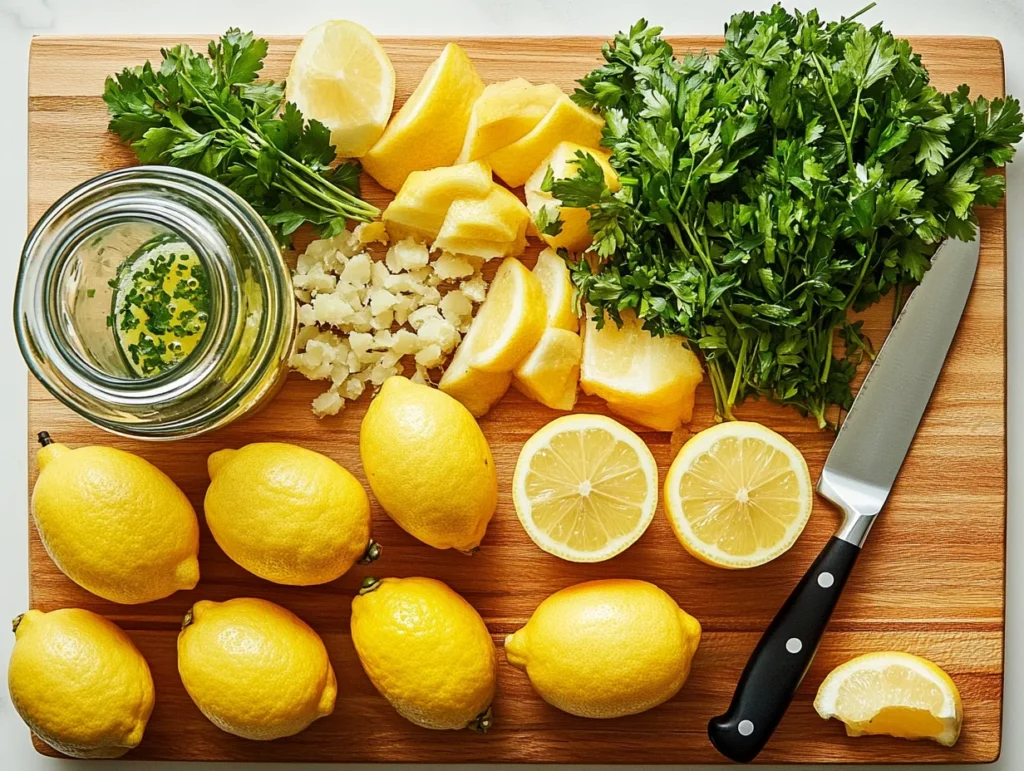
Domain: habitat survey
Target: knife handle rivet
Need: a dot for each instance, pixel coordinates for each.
(794, 645)
(826, 580)
(745, 728)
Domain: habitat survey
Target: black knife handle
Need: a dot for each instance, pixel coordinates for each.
(781, 658)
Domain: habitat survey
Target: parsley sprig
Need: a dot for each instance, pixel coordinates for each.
(210, 115)
(804, 170)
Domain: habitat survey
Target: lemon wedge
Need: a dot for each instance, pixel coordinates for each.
(550, 375)
(895, 694)
(553, 274)
(566, 121)
(504, 113)
(573, 233)
(342, 77)
(429, 128)
(499, 217)
(419, 209)
(477, 391)
(585, 487)
(510, 321)
(649, 380)
(738, 495)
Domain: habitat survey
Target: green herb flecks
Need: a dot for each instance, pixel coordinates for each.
(800, 173)
(211, 116)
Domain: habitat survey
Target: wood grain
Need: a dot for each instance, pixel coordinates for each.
(931, 580)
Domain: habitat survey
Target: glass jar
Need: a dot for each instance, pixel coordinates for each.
(155, 303)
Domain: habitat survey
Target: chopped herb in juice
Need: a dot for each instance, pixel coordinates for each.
(160, 305)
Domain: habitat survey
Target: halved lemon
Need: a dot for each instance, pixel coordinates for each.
(895, 694)
(585, 487)
(511, 320)
(342, 77)
(738, 495)
(553, 274)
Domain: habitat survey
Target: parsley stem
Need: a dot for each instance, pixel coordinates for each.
(827, 83)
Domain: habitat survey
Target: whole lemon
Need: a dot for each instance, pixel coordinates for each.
(606, 648)
(115, 523)
(427, 651)
(79, 683)
(255, 669)
(429, 464)
(287, 514)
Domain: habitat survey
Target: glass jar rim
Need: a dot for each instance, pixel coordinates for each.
(147, 194)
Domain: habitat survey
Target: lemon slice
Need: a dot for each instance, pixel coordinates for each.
(511, 320)
(553, 274)
(566, 121)
(895, 694)
(342, 77)
(550, 375)
(585, 487)
(738, 495)
(429, 128)
(504, 113)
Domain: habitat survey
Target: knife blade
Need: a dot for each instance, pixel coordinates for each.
(857, 477)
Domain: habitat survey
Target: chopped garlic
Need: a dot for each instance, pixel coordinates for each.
(359, 316)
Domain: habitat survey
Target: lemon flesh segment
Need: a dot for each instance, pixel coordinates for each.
(650, 380)
(565, 122)
(585, 488)
(895, 694)
(510, 321)
(421, 205)
(504, 113)
(550, 375)
(738, 495)
(574, 234)
(342, 77)
(428, 130)
(553, 275)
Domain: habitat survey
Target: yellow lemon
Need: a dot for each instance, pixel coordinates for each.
(287, 514)
(738, 495)
(79, 683)
(114, 523)
(650, 380)
(427, 651)
(255, 669)
(550, 375)
(419, 209)
(895, 694)
(563, 162)
(606, 648)
(556, 284)
(429, 128)
(504, 113)
(429, 464)
(564, 122)
(585, 487)
(342, 77)
(477, 391)
(510, 320)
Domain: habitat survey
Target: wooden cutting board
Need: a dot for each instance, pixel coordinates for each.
(931, 580)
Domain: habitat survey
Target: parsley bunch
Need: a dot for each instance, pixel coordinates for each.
(804, 170)
(211, 116)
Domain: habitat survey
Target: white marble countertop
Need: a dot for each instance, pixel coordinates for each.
(20, 19)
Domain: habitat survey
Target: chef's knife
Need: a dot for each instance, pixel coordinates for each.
(857, 477)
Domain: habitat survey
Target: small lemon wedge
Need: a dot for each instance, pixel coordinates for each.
(895, 694)
(573, 233)
(342, 77)
(477, 391)
(650, 380)
(553, 274)
(504, 113)
(585, 487)
(510, 320)
(499, 217)
(550, 375)
(738, 495)
(429, 128)
(421, 205)
(565, 122)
